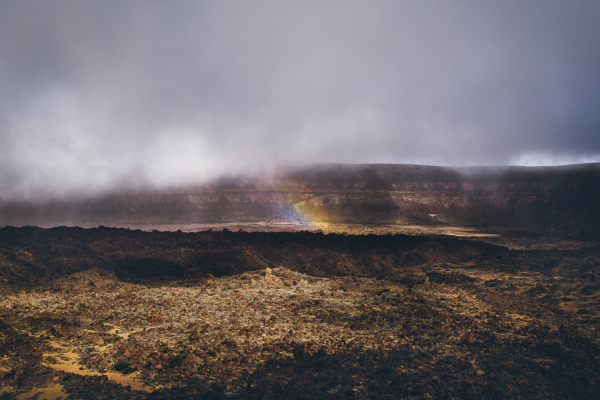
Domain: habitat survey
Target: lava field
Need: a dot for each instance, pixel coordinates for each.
(113, 313)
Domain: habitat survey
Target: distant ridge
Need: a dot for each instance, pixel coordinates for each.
(561, 200)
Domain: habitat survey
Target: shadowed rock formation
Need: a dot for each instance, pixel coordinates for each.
(31, 256)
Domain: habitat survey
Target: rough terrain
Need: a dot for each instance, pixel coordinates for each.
(115, 313)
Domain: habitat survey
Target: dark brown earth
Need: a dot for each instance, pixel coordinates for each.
(116, 313)
(31, 256)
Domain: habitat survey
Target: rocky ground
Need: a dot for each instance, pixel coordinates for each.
(458, 323)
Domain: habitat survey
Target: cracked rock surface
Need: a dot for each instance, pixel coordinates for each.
(502, 324)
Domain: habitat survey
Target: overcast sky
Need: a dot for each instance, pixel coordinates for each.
(100, 94)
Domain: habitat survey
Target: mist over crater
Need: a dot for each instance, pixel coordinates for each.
(108, 97)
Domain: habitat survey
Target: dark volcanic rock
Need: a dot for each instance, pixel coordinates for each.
(33, 255)
(413, 317)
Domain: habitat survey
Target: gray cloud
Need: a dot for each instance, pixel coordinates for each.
(100, 95)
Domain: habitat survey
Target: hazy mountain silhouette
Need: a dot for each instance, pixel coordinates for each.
(559, 200)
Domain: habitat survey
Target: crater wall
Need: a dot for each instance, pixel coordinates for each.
(563, 199)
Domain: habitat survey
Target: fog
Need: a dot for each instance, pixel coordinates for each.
(102, 96)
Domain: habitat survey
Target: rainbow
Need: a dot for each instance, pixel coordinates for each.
(300, 214)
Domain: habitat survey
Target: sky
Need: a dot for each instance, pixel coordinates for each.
(105, 95)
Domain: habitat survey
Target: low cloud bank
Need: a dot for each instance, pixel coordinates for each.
(100, 96)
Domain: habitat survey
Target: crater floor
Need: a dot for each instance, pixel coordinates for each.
(508, 324)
